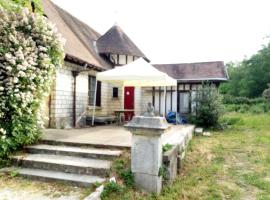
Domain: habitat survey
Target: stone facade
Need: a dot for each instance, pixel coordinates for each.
(61, 108)
(109, 104)
(61, 100)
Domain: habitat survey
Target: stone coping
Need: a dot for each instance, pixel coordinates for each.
(143, 122)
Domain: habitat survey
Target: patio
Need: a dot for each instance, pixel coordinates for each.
(112, 136)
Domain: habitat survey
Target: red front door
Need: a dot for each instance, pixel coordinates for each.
(129, 101)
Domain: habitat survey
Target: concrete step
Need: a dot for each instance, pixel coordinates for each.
(47, 175)
(84, 144)
(74, 151)
(67, 164)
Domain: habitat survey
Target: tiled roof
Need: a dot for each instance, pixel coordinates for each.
(194, 72)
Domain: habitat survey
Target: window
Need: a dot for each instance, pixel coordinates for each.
(187, 87)
(184, 102)
(91, 91)
(115, 92)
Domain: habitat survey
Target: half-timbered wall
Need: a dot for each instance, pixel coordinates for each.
(121, 59)
(174, 97)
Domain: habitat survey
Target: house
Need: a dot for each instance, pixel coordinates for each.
(88, 52)
(190, 77)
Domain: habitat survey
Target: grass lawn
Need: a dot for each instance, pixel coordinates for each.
(231, 164)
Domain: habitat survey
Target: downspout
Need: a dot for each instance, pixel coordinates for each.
(95, 100)
(74, 74)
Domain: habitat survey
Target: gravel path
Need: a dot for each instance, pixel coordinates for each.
(25, 189)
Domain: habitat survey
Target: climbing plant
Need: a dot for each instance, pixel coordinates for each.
(30, 51)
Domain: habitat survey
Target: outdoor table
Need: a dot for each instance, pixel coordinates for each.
(118, 113)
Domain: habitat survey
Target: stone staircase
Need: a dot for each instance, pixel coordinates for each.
(81, 166)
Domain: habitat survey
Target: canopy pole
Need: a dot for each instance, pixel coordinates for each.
(164, 103)
(94, 109)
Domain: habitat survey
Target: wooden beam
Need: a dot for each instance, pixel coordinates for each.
(153, 96)
(74, 74)
(178, 98)
(171, 97)
(165, 94)
(159, 92)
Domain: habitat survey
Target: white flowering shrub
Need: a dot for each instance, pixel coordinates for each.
(30, 51)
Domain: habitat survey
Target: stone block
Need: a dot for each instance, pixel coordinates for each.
(198, 131)
(148, 183)
(144, 149)
(179, 164)
(170, 162)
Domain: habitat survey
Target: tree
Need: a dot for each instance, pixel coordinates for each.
(249, 78)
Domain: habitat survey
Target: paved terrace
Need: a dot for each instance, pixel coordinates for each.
(116, 136)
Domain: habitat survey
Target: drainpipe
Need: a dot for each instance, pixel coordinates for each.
(74, 74)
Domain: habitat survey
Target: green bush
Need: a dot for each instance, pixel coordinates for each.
(228, 99)
(258, 100)
(30, 51)
(229, 121)
(243, 108)
(254, 108)
(208, 107)
(266, 92)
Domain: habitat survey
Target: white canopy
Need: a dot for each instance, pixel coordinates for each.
(138, 73)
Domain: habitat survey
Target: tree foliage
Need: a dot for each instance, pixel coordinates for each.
(250, 77)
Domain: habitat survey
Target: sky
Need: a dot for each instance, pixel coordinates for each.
(179, 31)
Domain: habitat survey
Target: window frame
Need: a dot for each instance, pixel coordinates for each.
(115, 92)
(91, 91)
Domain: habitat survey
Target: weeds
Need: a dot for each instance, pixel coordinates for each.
(167, 147)
(111, 188)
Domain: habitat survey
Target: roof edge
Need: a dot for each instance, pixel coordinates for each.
(192, 63)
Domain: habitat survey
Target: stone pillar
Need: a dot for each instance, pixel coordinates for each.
(146, 151)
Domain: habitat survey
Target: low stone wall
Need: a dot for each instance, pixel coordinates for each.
(170, 163)
(173, 158)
